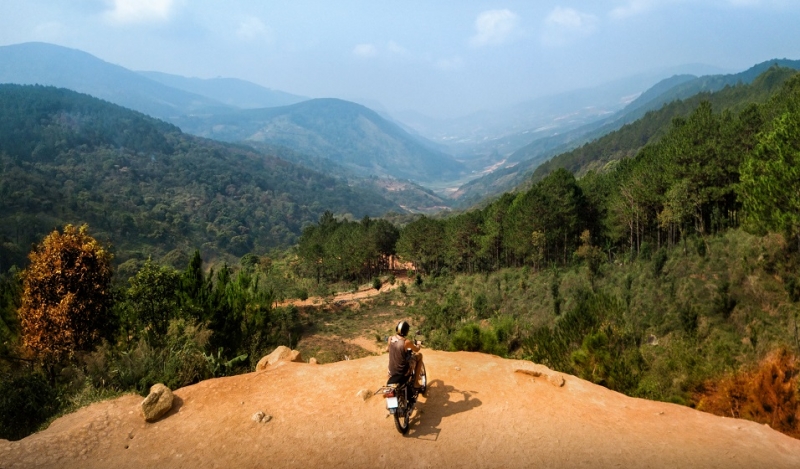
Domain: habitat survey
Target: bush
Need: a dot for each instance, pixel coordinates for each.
(376, 283)
(766, 394)
(468, 339)
(26, 402)
(66, 294)
(659, 261)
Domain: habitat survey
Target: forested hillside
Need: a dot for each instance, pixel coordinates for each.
(668, 275)
(347, 133)
(628, 130)
(146, 187)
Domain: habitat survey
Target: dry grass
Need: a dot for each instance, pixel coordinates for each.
(766, 394)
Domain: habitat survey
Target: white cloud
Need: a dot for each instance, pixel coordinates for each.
(564, 25)
(251, 29)
(365, 51)
(140, 11)
(494, 27)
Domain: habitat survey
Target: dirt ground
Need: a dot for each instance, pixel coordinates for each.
(481, 411)
(343, 298)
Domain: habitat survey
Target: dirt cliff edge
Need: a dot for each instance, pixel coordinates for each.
(480, 411)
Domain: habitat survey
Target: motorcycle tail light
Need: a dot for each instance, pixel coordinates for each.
(388, 393)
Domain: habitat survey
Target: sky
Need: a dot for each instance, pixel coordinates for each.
(439, 58)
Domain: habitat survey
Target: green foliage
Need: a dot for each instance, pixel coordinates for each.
(153, 297)
(219, 366)
(770, 175)
(10, 295)
(26, 401)
(145, 186)
(340, 250)
(376, 283)
(659, 261)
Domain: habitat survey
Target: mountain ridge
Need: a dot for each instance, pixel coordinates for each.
(48, 64)
(523, 163)
(345, 132)
(230, 91)
(143, 185)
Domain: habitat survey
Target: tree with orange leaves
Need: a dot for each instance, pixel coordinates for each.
(66, 294)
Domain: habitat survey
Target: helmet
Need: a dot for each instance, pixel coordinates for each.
(402, 328)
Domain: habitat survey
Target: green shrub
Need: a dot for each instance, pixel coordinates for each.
(26, 401)
(468, 339)
(481, 306)
(376, 283)
(659, 261)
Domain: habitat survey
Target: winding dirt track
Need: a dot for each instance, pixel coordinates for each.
(480, 412)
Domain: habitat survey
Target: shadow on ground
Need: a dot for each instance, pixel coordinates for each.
(441, 401)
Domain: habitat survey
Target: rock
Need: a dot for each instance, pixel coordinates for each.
(280, 354)
(556, 380)
(157, 403)
(261, 417)
(533, 373)
(364, 394)
(312, 361)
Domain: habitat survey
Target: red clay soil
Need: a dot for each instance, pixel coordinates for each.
(480, 412)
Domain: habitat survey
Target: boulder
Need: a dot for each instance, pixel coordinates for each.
(556, 380)
(157, 403)
(280, 354)
(312, 361)
(294, 356)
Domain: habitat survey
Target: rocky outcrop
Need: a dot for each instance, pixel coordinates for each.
(281, 354)
(157, 403)
(555, 379)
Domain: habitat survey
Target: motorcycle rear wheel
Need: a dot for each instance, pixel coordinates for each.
(402, 414)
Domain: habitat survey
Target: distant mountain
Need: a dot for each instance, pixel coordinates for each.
(47, 64)
(146, 187)
(347, 133)
(409, 196)
(476, 137)
(685, 86)
(231, 91)
(520, 165)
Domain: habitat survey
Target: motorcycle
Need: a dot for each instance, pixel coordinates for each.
(402, 397)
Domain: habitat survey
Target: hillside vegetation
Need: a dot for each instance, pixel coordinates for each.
(624, 133)
(146, 187)
(347, 133)
(668, 270)
(671, 274)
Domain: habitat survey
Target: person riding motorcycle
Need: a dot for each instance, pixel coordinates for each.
(403, 356)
